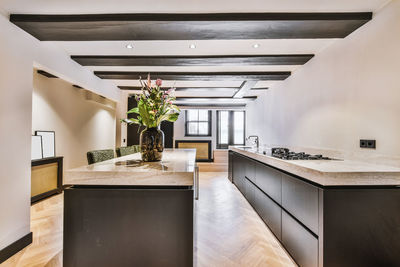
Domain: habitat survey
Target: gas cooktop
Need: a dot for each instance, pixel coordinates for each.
(285, 153)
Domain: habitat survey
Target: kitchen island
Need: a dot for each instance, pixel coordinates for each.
(125, 212)
(324, 212)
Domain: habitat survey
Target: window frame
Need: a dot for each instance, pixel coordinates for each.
(231, 127)
(209, 121)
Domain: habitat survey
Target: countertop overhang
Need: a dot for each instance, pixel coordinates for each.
(330, 172)
(176, 169)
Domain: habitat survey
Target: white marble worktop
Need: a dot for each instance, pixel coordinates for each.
(330, 172)
(176, 169)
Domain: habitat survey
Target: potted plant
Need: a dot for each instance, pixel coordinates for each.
(154, 105)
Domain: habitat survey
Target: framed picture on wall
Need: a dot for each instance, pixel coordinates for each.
(49, 143)
(37, 147)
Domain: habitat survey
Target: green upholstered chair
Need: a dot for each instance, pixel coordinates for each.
(99, 155)
(127, 150)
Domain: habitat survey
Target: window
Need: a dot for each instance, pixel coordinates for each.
(198, 122)
(230, 128)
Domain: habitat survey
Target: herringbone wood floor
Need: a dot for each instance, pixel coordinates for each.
(228, 232)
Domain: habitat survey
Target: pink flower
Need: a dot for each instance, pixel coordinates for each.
(158, 82)
(170, 91)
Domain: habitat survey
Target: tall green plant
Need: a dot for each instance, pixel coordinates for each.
(153, 105)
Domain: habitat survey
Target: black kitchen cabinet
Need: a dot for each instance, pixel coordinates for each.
(270, 192)
(250, 168)
(299, 242)
(322, 226)
(230, 165)
(236, 172)
(128, 226)
(239, 169)
(270, 181)
(269, 211)
(250, 192)
(301, 200)
(361, 227)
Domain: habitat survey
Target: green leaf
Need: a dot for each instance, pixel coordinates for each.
(173, 117)
(134, 121)
(130, 121)
(143, 113)
(134, 110)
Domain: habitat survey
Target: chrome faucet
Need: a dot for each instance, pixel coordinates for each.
(256, 140)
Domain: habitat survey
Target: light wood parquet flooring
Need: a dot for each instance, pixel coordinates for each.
(228, 232)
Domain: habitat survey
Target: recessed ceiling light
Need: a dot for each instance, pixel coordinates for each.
(129, 46)
(256, 45)
(192, 46)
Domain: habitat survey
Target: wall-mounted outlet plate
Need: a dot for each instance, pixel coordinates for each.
(368, 143)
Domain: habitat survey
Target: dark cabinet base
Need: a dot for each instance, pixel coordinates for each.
(299, 242)
(270, 212)
(361, 227)
(339, 226)
(129, 226)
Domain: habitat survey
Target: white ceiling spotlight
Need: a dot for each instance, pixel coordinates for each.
(192, 46)
(129, 46)
(256, 45)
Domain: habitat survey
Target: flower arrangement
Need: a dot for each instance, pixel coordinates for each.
(154, 105)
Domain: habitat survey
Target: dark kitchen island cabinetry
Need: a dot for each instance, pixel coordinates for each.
(125, 212)
(322, 225)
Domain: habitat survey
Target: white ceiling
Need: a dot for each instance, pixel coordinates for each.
(189, 6)
(203, 47)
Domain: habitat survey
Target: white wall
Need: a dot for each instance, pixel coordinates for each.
(19, 52)
(15, 135)
(80, 125)
(349, 91)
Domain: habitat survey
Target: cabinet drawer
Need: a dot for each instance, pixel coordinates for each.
(239, 182)
(301, 200)
(299, 242)
(270, 181)
(250, 172)
(230, 166)
(239, 170)
(269, 211)
(250, 192)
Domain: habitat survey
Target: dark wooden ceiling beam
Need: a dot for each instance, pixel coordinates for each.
(211, 98)
(46, 74)
(259, 88)
(102, 27)
(184, 88)
(203, 60)
(244, 88)
(204, 105)
(195, 76)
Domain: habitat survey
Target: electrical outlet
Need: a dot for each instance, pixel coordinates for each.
(365, 143)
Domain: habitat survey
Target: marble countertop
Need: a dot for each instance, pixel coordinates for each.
(176, 169)
(331, 172)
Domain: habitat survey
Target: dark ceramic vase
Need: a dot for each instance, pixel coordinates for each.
(152, 144)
